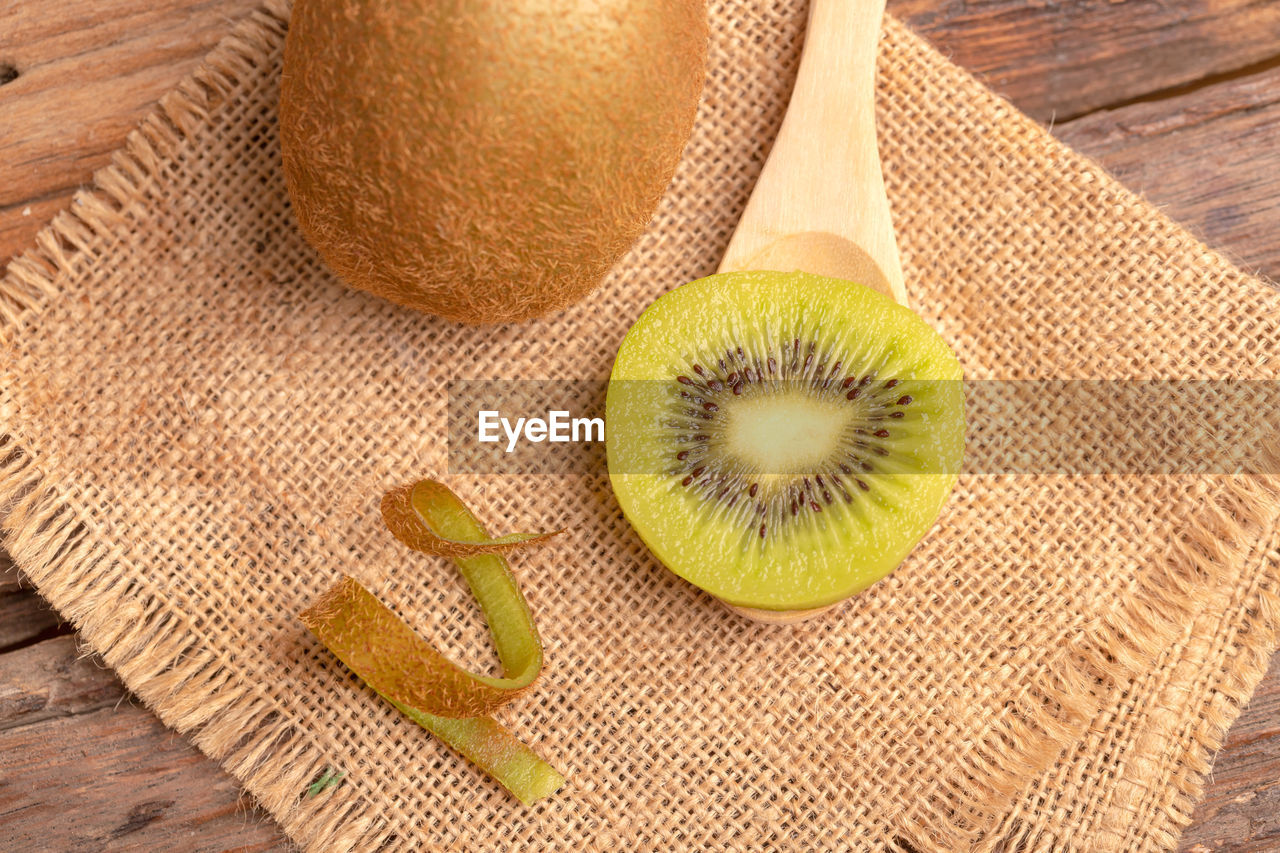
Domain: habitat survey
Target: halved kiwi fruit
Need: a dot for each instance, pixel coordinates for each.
(782, 440)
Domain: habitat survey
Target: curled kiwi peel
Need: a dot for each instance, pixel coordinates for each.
(418, 515)
(386, 653)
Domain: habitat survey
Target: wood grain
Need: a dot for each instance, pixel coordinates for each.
(1240, 811)
(81, 74)
(50, 680)
(1062, 59)
(1210, 159)
(25, 617)
(83, 768)
(1191, 86)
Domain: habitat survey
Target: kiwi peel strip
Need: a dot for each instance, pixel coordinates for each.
(423, 517)
(423, 684)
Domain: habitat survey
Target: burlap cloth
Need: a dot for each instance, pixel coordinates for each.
(199, 421)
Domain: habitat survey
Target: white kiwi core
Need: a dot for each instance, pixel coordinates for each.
(787, 433)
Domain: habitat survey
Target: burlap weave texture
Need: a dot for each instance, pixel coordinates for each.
(199, 420)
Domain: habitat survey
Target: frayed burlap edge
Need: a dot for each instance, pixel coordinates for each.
(155, 651)
(1232, 548)
(159, 656)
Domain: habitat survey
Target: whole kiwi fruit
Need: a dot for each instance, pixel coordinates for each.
(782, 440)
(480, 160)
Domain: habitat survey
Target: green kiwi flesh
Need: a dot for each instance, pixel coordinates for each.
(782, 440)
(484, 161)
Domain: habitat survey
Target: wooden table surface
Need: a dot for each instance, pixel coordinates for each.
(1179, 98)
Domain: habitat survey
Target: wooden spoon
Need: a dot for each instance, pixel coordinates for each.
(819, 205)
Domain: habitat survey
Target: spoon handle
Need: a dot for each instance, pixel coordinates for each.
(820, 205)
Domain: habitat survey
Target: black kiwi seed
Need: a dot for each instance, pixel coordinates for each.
(698, 422)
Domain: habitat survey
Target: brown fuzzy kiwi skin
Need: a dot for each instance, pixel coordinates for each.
(481, 160)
